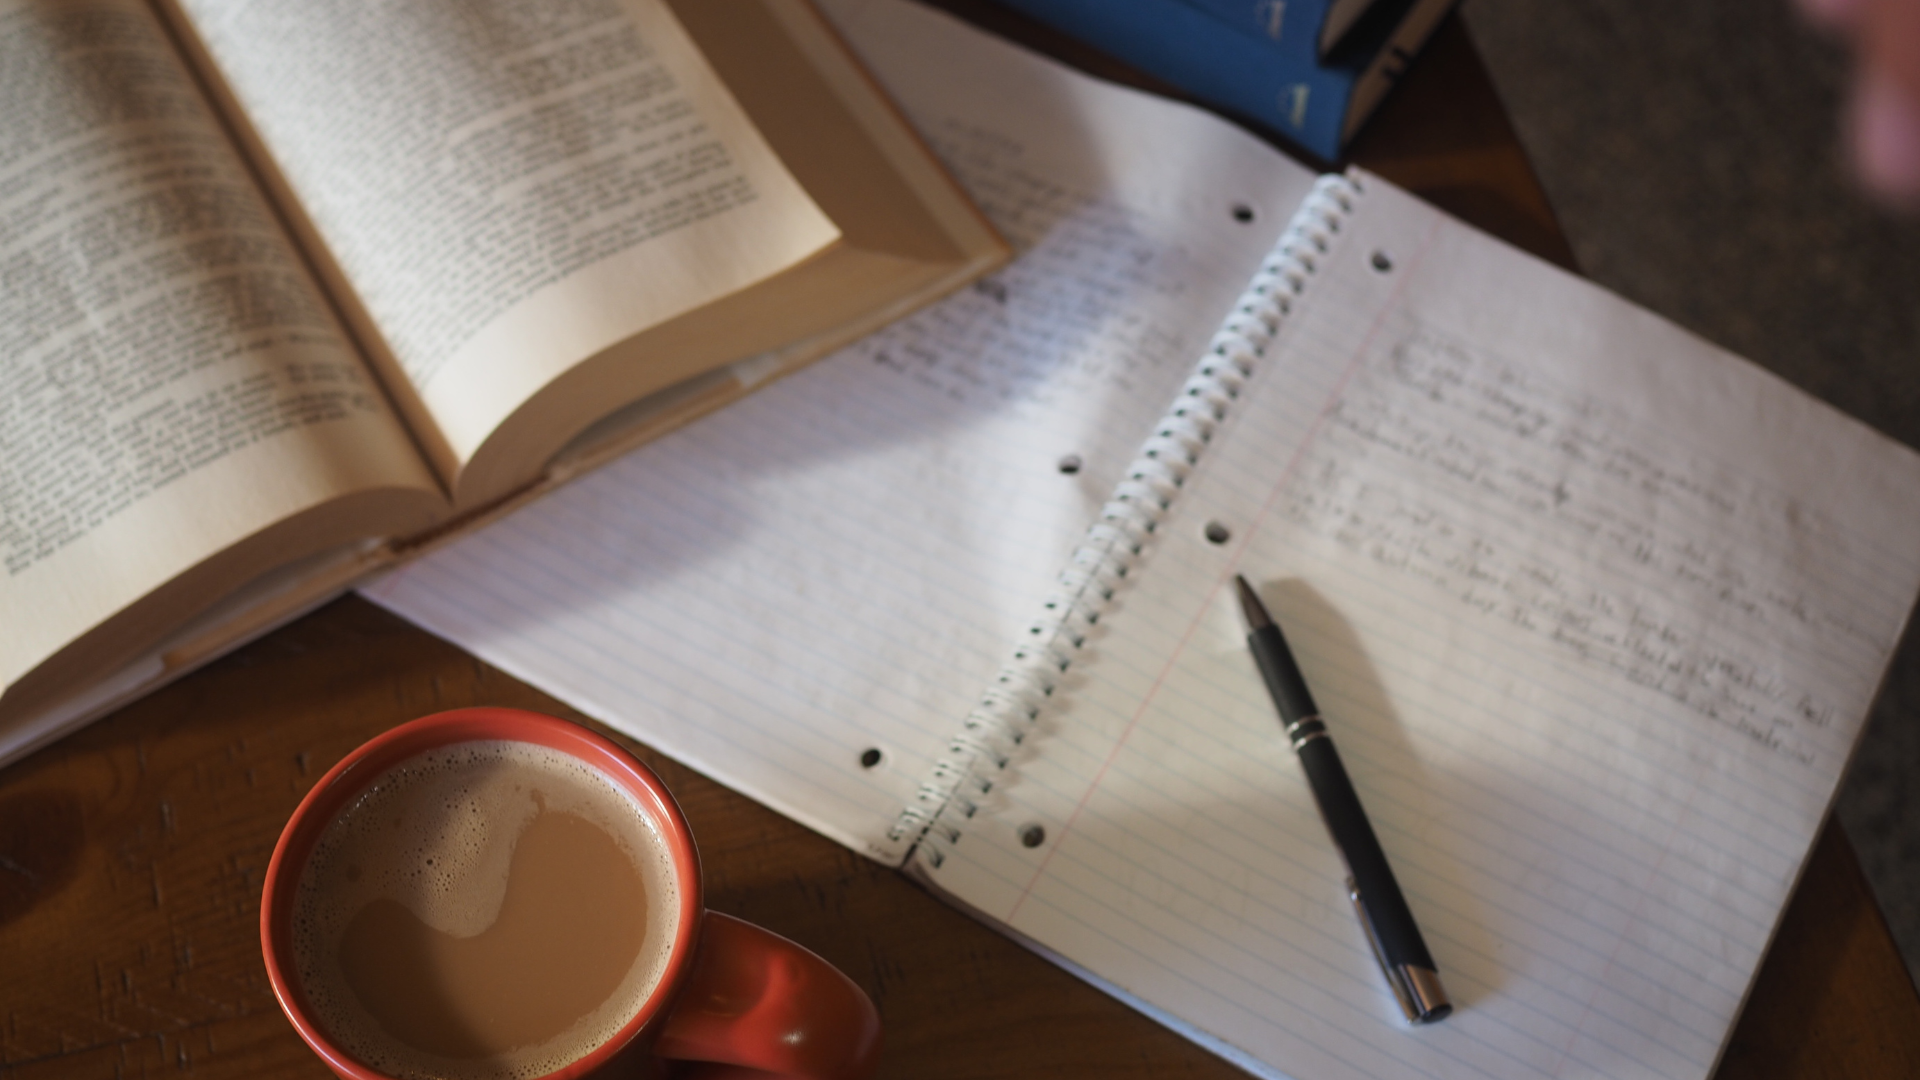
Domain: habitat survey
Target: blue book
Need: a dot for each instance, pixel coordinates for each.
(1325, 21)
(1269, 20)
(1283, 85)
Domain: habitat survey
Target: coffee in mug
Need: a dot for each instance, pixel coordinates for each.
(485, 909)
(492, 892)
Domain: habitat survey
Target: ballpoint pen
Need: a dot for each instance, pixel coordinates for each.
(1376, 896)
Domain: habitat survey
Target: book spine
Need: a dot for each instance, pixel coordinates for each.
(1390, 59)
(976, 758)
(1280, 85)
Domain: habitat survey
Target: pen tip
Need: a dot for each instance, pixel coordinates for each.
(1251, 607)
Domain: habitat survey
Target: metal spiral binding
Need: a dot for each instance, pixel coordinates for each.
(965, 773)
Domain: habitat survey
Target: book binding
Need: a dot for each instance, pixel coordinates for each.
(976, 756)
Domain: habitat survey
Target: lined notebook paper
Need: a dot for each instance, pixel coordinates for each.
(1595, 610)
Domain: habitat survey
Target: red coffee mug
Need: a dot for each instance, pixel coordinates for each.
(735, 1000)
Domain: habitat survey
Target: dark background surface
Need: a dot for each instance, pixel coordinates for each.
(1693, 154)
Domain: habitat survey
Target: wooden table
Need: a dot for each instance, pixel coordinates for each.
(131, 854)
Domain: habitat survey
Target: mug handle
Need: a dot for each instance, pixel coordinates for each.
(759, 1002)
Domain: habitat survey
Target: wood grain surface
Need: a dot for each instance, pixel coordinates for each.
(131, 854)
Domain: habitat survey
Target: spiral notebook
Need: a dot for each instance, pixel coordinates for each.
(1595, 609)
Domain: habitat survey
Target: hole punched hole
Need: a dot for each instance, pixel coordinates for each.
(870, 757)
(1217, 533)
(1070, 463)
(1243, 213)
(1032, 835)
(1381, 262)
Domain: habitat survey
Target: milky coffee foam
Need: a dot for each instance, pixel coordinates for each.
(436, 835)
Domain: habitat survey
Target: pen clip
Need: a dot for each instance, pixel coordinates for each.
(1416, 988)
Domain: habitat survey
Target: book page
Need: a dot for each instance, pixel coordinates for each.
(840, 562)
(1594, 612)
(505, 189)
(171, 381)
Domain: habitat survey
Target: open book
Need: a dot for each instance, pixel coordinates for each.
(1594, 608)
(289, 288)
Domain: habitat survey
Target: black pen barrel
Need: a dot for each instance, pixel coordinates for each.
(1386, 907)
(1383, 910)
(1284, 682)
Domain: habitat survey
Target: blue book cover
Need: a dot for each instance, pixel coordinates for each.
(1326, 22)
(1269, 20)
(1283, 85)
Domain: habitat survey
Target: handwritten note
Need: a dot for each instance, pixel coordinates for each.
(1555, 510)
(1082, 312)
